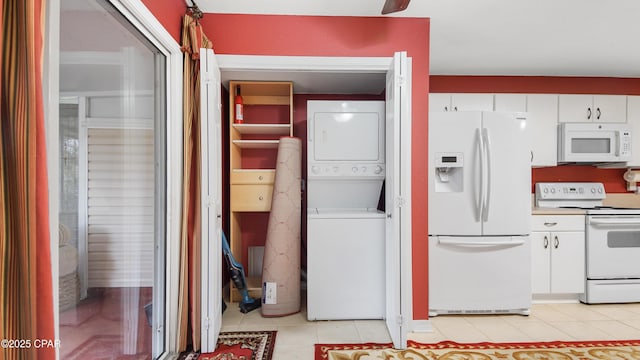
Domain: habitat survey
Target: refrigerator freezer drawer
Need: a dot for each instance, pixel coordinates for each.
(479, 275)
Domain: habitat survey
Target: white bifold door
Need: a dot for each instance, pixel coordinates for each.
(211, 199)
(398, 199)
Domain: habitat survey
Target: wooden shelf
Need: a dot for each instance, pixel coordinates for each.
(251, 190)
(257, 144)
(266, 100)
(254, 287)
(267, 129)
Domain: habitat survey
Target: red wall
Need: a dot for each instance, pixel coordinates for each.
(169, 13)
(535, 84)
(337, 36)
(612, 178)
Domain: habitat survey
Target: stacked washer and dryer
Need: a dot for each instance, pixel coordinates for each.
(345, 225)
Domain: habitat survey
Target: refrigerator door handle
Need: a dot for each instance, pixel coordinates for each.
(487, 184)
(480, 198)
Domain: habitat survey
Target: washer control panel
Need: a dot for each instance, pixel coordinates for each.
(346, 170)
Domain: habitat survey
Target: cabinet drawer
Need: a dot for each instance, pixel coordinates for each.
(251, 197)
(252, 176)
(558, 222)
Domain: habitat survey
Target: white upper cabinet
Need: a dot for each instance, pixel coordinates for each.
(633, 118)
(510, 102)
(460, 102)
(543, 129)
(592, 108)
(542, 123)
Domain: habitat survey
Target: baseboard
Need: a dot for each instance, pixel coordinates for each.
(421, 326)
(555, 298)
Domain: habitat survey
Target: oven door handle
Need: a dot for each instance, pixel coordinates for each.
(614, 221)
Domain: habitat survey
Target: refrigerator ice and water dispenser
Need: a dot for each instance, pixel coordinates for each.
(449, 172)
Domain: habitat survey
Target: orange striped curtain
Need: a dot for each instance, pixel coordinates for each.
(189, 305)
(26, 299)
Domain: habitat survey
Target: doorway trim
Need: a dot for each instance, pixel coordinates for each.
(145, 22)
(327, 64)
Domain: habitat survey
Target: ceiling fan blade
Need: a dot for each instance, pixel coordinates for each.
(391, 6)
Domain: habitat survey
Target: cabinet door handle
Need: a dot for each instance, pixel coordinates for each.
(556, 242)
(550, 224)
(260, 197)
(588, 113)
(446, 108)
(546, 242)
(598, 113)
(455, 108)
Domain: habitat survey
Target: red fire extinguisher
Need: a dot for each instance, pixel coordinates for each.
(238, 116)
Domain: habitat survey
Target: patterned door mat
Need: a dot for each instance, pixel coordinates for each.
(449, 350)
(249, 345)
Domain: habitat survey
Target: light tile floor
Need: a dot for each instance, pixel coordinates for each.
(547, 322)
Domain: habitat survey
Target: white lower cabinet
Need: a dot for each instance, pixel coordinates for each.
(558, 254)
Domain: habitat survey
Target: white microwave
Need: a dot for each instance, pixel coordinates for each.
(594, 143)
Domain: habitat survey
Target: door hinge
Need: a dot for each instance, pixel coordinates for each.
(400, 320)
(401, 80)
(207, 323)
(211, 201)
(206, 78)
(400, 201)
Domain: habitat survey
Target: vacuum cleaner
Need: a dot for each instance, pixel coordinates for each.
(236, 271)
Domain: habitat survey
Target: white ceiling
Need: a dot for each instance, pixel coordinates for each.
(498, 37)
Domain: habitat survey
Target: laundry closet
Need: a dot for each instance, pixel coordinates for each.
(354, 194)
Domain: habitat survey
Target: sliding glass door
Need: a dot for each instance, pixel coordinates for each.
(112, 176)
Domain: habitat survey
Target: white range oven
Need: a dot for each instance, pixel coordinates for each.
(613, 256)
(612, 238)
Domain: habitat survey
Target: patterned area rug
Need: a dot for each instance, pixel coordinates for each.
(239, 345)
(449, 350)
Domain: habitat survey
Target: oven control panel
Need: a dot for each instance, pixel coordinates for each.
(569, 194)
(570, 190)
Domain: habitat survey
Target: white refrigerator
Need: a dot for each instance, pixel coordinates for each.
(479, 213)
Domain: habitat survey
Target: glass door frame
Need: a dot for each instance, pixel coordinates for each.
(147, 24)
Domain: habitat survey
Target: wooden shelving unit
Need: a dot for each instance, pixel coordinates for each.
(251, 185)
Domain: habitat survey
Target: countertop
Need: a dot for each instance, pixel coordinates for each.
(556, 211)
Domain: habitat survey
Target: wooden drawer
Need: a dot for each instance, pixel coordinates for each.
(252, 176)
(251, 197)
(558, 222)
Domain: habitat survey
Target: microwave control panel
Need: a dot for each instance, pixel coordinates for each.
(625, 144)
